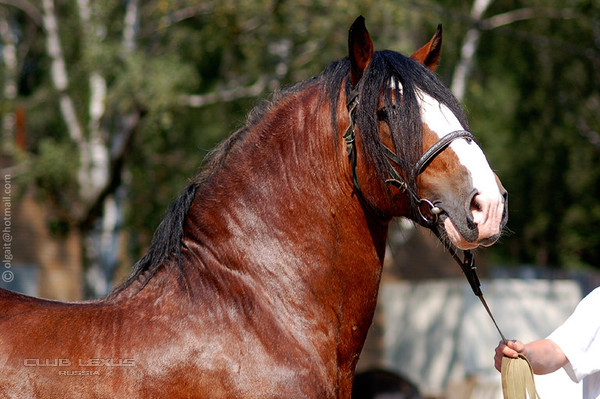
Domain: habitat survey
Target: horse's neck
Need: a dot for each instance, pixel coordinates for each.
(278, 229)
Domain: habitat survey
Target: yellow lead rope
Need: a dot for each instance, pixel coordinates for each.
(517, 374)
(517, 378)
(489, 312)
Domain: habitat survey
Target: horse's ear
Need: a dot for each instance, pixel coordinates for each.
(360, 47)
(429, 55)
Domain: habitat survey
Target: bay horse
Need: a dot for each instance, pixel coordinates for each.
(262, 279)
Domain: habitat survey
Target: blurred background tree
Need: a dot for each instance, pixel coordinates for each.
(122, 99)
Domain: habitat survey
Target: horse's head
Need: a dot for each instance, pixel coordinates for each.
(413, 154)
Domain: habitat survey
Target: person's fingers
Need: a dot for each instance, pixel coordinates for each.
(508, 350)
(498, 365)
(500, 349)
(516, 345)
(498, 362)
(499, 354)
(512, 349)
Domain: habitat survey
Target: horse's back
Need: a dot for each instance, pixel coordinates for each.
(7, 296)
(100, 349)
(16, 304)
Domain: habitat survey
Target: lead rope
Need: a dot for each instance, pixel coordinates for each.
(467, 265)
(517, 378)
(517, 374)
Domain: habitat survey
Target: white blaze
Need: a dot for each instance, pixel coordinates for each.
(488, 205)
(395, 83)
(442, 121)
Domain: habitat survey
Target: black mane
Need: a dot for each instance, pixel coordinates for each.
(405, 125)
(167, 239)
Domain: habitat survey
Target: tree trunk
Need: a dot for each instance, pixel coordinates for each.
(9, 79)
(98, 209)
(468, 50)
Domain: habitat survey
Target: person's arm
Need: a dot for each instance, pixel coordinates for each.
(544, 355)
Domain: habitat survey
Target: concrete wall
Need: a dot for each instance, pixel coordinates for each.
(437, 333)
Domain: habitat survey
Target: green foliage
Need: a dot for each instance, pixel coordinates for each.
(532, 100)
(53, 170)
(154, 83)
(528, 103)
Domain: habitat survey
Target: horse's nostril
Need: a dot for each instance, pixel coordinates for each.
(475, 204)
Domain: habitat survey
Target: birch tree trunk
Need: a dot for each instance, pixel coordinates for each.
(58, 74)
(468, 50)
(98, 213)
(104, 238)
(9, 79)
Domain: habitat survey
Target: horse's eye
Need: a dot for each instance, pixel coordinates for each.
(384, 113)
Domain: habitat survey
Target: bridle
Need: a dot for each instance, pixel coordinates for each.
(428, 212)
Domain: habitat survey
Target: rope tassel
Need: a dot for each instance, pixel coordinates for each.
(517, 378)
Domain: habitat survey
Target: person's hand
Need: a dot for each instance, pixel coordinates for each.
(511, 349)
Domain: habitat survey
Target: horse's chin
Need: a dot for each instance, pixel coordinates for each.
(455, 237)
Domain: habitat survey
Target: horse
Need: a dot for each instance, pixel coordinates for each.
(262, 279)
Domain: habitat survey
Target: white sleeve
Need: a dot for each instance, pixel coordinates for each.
(579, 338)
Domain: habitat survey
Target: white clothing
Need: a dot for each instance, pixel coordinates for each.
(579, 339)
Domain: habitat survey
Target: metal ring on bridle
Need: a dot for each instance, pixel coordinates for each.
(432, 209)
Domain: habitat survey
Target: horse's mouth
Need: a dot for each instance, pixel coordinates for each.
(456, 238)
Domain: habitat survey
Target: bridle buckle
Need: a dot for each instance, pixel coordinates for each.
(399, 184)
(429, 212)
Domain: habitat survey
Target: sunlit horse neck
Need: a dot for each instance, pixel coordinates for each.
(274, 238)
(262, 279)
